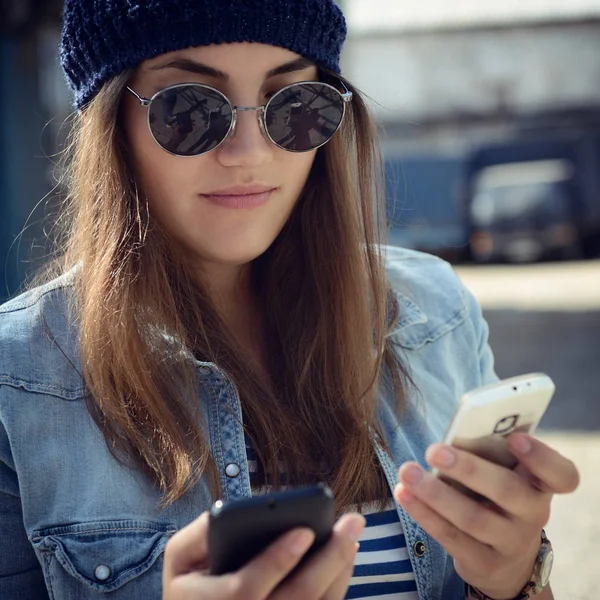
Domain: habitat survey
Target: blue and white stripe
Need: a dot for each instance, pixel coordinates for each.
(382, 570)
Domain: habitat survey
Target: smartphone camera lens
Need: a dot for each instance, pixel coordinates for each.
(506, 425)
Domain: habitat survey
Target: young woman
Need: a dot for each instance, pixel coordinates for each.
(223, 313)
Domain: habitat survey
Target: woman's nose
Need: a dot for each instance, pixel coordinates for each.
(247, 145)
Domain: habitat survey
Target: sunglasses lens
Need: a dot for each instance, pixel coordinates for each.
(304, 116)
(189, 120)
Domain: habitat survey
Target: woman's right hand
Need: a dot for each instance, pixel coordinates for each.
(325, 576)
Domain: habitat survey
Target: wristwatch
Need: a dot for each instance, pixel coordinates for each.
(539, 578)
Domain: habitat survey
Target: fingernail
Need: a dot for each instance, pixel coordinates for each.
(521, 444)
(300, 542)
(353, 527)
(444, 457)
(403, 494)
(412, 475)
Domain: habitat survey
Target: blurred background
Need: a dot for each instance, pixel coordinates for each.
(490, 116)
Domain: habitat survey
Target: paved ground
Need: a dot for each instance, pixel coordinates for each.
(574, 526)
(547, 318)
(568, 286)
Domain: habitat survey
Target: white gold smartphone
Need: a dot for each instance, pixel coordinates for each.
(486, 416)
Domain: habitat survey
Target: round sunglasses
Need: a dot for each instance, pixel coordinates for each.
(190, 119)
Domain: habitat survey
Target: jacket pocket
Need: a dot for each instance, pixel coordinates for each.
(418, 327)
(102, 556)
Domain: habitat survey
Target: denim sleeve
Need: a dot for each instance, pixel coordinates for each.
(20, 572)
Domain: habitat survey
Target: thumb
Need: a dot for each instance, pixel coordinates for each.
(187, 550)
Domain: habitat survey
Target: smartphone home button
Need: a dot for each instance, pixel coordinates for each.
(506, 425)
(232, 470)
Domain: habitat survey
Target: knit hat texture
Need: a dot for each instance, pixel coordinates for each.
(103, 38)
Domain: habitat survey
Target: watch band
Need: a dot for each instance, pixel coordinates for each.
(532, 587)
(475, 594)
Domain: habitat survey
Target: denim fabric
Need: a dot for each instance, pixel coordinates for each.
(75, 523)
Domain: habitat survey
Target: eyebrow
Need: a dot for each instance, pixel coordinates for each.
(192, 66)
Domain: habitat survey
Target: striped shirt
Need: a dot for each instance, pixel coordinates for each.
(382, 569)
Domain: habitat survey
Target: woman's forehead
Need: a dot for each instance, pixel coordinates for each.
(247, 59)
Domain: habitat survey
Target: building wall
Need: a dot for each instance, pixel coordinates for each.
(433, 75)
(30, 119)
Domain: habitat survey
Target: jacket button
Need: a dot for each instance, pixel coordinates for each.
(102, 572)
(232, 470)
(419, 548)
(206, 370)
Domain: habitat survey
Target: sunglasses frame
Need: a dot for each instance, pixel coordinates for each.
(346, 97)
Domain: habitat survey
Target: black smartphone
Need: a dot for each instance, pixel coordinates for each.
(239, 530)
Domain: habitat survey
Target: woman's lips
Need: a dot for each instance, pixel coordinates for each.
(242, 201)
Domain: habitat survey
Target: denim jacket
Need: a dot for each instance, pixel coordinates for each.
(75, 523)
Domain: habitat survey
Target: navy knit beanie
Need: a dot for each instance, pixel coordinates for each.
(103, 38)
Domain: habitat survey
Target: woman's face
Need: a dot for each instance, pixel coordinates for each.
(183, 192)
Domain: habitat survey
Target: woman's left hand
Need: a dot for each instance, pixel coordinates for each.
(494, 549)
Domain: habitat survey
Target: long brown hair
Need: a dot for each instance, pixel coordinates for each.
(144, 318)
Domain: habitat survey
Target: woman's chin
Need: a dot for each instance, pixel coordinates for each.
(234, 253)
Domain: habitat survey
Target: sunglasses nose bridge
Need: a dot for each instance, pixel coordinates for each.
(261, 117)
